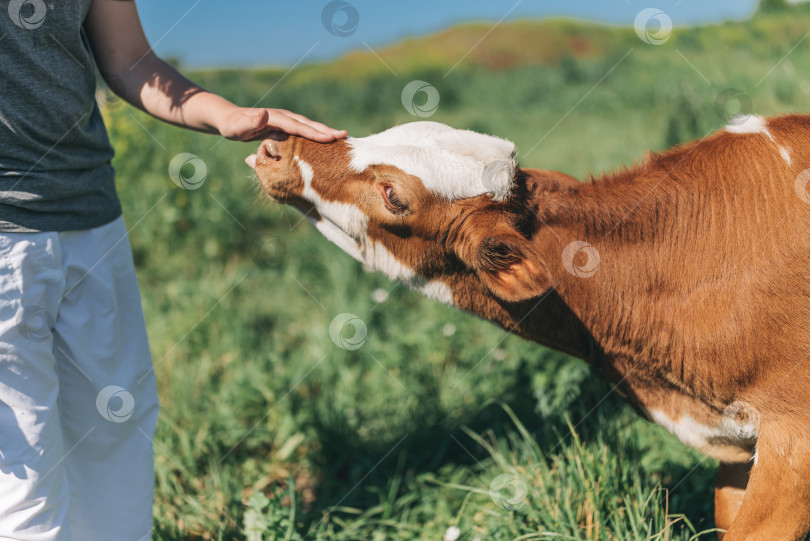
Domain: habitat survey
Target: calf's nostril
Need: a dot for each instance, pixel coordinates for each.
(270, 149)
(267, 153)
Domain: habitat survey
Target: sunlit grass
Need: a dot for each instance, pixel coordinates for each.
(270, 431)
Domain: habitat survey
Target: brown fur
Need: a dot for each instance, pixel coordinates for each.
(700, 300)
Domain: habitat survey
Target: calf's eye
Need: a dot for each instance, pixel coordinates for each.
(392, 202)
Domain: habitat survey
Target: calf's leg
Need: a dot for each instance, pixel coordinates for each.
(732, 480)
(776, 504)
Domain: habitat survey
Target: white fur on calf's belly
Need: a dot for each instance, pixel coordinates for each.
(721, 442)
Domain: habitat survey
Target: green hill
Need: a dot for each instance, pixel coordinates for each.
(549, 42)
(509, 45)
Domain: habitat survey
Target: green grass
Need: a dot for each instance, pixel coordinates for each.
(270, 431)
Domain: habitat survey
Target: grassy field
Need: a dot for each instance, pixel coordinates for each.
(269, 430)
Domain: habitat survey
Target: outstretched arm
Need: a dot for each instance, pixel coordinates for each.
(135, 73)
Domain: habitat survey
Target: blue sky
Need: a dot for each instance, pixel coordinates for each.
(207, 33)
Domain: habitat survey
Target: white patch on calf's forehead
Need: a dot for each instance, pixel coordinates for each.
(455, 164)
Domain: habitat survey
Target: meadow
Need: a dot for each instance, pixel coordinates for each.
(270, 430)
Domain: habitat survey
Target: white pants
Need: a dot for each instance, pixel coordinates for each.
(78, 404)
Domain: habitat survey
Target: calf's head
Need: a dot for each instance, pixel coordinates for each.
(442, 210)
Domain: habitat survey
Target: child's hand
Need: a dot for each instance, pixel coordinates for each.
(247, 124)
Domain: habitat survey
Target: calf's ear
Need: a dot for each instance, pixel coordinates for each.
(508, 266)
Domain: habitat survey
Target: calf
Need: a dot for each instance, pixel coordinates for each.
(683, 279)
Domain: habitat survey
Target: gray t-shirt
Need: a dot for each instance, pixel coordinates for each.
(55, 172)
